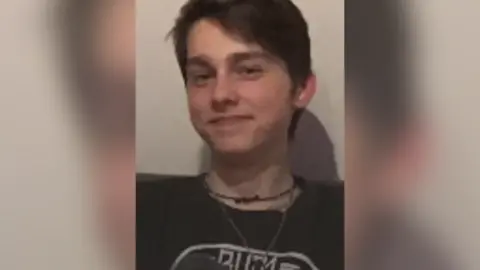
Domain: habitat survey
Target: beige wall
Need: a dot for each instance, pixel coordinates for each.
(45, 218)
(166, 142)
(448, 59)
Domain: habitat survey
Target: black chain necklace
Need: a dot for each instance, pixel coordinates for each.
(252, 199)
(239, 233)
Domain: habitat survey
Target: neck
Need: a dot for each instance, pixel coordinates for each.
(265, 175)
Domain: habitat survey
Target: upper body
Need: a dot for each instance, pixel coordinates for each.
(177, 217)
(246, 89)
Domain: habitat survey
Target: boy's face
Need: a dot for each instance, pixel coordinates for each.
(240, 97)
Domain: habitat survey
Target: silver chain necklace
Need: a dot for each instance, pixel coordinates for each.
(275, 237)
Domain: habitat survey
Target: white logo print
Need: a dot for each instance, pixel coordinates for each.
(240, 258)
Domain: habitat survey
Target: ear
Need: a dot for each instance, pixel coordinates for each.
(305, 93)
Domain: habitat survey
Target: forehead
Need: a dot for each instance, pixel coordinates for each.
(209, 38)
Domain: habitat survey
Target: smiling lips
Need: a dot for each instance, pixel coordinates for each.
(226, 121)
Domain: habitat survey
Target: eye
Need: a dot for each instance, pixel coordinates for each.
(199, 79)
(250, 72)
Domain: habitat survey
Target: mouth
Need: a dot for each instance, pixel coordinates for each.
(224, 121)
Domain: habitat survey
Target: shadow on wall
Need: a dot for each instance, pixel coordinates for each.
(312, 153)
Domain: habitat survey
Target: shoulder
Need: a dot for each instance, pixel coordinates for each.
(328, 189)
(146, 181)
(156, 196)
(327, 197)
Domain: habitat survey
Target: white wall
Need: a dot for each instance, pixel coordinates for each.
(45, 223)
(166, 142)
(448, 59)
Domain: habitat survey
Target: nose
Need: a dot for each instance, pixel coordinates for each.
(224, 93)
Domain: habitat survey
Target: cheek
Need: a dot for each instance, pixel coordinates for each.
(270, 100)
(198, 106)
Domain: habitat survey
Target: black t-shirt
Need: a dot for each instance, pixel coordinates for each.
(177, 218)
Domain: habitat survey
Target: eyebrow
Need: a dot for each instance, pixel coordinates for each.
(199, 60)
(234, 58)
(243, 56)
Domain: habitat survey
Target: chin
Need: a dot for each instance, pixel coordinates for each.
(232, 146)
